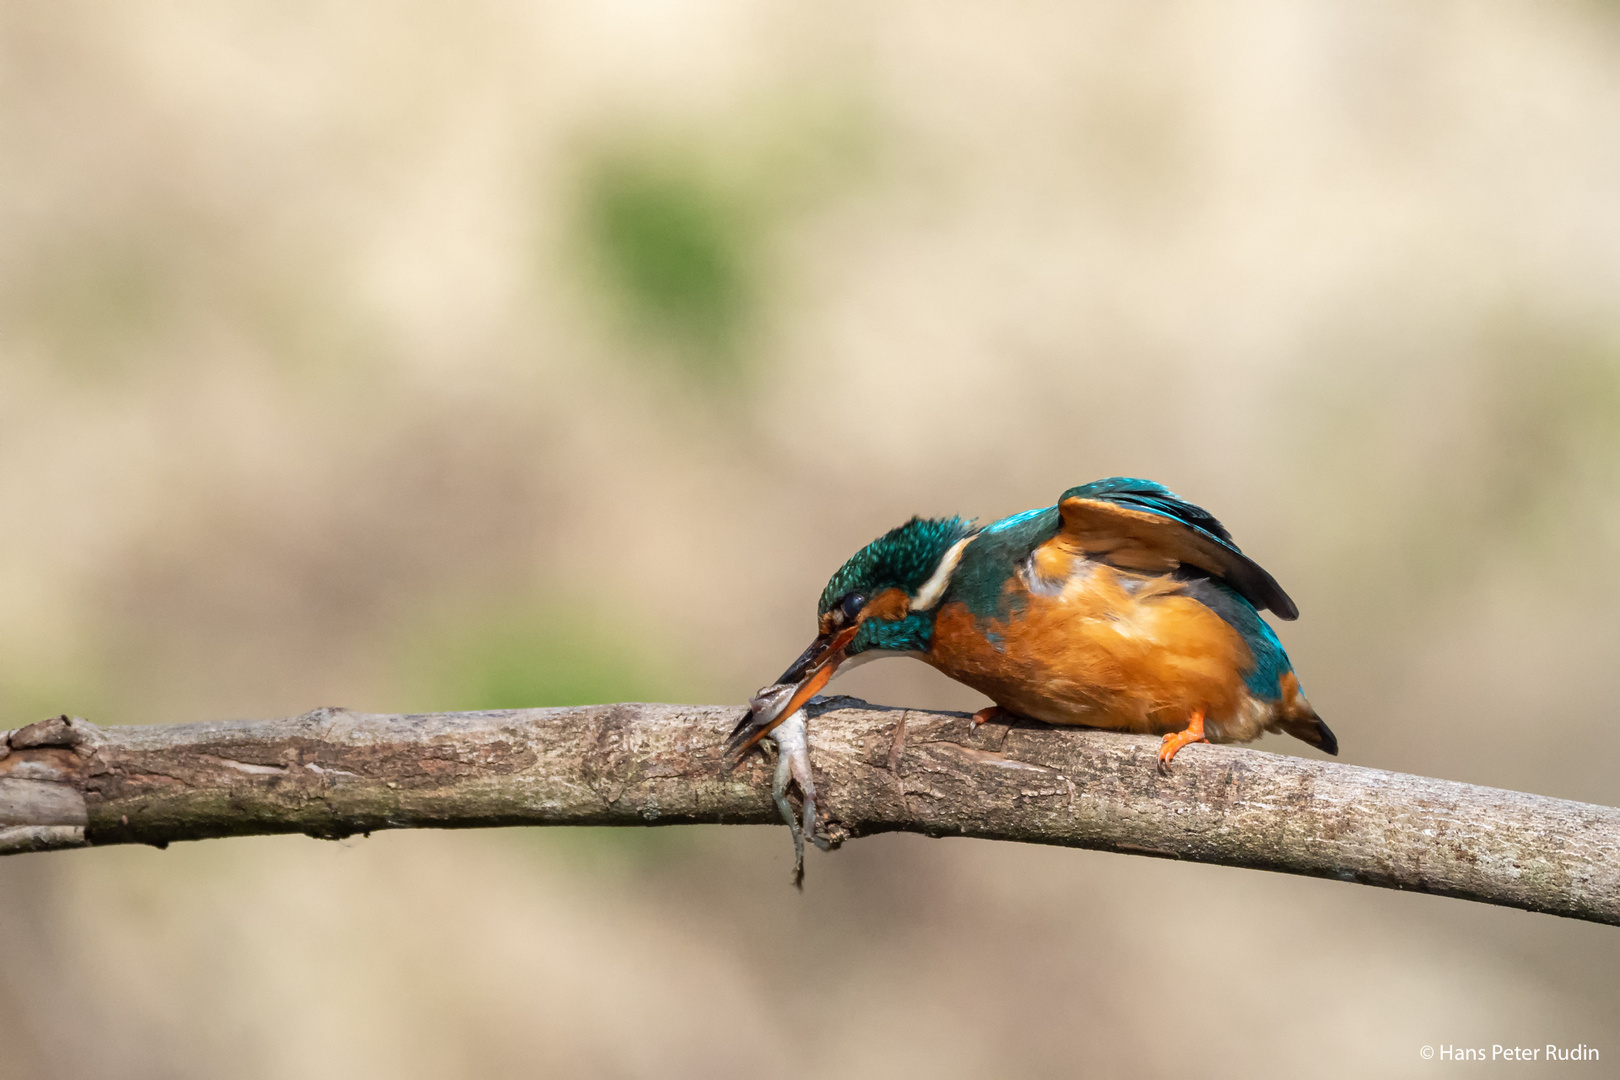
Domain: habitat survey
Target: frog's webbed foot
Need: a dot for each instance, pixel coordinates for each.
(793, 764)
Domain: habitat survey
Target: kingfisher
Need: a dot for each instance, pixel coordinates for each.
(1122, 607)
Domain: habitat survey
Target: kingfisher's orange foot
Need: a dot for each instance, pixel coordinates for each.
(1173, 742)
(992, 712)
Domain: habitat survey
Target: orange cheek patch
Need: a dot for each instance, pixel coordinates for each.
(888, 604)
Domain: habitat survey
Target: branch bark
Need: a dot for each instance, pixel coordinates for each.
(333, 773)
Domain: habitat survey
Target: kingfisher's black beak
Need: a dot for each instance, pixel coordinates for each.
(802, 681)
(801, 667)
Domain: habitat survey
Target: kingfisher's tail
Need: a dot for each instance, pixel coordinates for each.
(1300, 720)
(1312, 731)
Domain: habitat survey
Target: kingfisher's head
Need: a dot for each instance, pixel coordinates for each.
(882, 601)
(888, 591)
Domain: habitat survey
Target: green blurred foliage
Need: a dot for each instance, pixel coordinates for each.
(1527, 470)
(25, 699)
(678, 252)
(679, 233)
(1553, 420)
(95, 306)
(533, 655)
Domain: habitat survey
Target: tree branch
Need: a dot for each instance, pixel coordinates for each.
(332, 773)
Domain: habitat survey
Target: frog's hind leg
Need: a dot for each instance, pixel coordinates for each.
(793, 765)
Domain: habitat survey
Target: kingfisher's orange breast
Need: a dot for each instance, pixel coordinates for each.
(1128, 652)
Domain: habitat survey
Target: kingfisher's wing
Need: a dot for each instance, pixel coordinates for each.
(1140, 525)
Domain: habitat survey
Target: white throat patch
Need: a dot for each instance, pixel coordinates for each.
(934, 587)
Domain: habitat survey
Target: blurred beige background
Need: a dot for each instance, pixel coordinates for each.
(412, 356)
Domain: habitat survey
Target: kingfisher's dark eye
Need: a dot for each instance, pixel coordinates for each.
(851, 607)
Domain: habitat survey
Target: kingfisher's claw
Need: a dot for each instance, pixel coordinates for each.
(1171, 744)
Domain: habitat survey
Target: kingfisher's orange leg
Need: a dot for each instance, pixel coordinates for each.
(1177, 739)
(989, 713)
